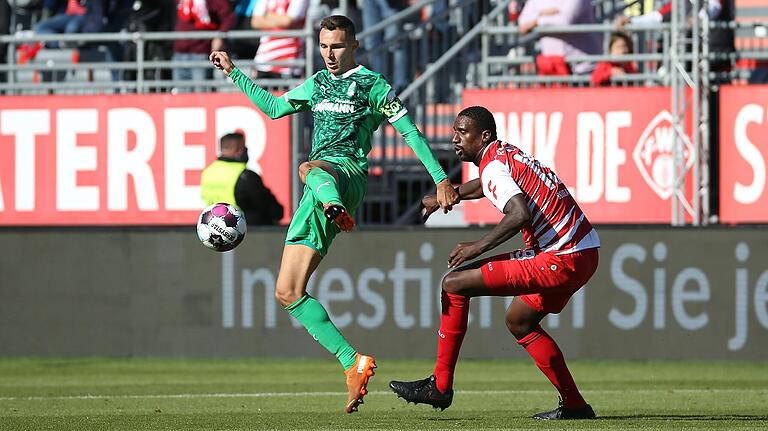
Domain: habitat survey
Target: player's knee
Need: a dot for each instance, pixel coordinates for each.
(452, 283)
(304, 170)
(286, 297)
(519, 327)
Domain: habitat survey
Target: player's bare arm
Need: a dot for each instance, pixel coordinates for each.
(429, 205)
(221, 61)
(467, 191)
(516, 215)
(470, 190)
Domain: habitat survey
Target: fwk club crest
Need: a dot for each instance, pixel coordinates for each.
(653, 154)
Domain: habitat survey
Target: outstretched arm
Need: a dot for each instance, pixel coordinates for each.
(516, 215)
(384, 100)
(446, 195)
(273, 107)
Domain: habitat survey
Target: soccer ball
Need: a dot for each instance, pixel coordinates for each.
(221, 227)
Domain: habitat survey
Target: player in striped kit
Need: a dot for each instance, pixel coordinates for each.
(561, 255)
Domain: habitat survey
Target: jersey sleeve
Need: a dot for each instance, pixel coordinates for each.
(274, 107)
(420, 147)
(498, 185)
(302, 93)
(384, 101)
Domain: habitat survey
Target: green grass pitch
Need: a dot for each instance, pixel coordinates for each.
(176, 394)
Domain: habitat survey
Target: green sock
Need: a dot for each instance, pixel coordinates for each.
(324, 186)
(313, 316)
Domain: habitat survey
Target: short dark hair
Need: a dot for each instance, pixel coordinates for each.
(482, 117)
(231, 139)
(339, 22)
(616, 35)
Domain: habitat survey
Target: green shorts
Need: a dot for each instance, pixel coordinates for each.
(309, 225)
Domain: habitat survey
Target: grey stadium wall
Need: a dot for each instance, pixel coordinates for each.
(659, 293)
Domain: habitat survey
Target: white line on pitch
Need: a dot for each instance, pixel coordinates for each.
(322, 394)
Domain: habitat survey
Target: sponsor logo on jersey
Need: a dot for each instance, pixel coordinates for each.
(504, 148)
(653, 154)
(341, 106)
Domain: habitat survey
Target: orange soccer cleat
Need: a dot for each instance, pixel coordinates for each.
(339, 215)
(357, 381)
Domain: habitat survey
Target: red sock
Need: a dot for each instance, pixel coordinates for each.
(453, 326)
(551, 362)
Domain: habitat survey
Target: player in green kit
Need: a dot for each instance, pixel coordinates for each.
(348, 102)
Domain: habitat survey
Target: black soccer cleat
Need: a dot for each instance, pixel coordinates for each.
(339, 215)
(561, 412)
(423, 392)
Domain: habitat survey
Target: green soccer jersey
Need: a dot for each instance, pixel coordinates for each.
(347, 109)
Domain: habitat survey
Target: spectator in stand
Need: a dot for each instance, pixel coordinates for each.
(197, 15)
(374, 12)
(243, 48)
(147, 16)
(556, 48)
(663, 14)
(66, 16)
(279, 15)
(105, 16)
(721, 38)
(620, 44)
(228, 180)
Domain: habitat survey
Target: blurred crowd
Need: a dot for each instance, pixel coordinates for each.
(551, 51)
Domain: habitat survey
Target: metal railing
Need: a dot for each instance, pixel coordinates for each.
(451, 51)
(511, 62)
(61, 70)
(508, 57)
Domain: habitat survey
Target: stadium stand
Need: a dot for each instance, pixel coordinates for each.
(472, 44)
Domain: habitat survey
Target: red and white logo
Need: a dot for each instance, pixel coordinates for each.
(653, 154)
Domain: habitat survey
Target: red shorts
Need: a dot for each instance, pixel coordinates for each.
(545, 281)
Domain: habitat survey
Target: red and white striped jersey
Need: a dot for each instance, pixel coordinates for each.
(280, 48)
(557, 223)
